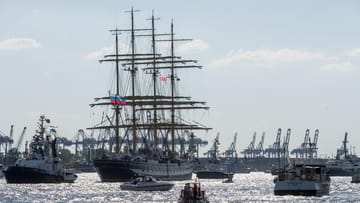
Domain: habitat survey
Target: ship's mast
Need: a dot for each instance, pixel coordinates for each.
(133, 72)
(117, 109)
(154, 74)
(41, 126)
(172, 78)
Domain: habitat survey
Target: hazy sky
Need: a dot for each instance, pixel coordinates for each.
(267, 64)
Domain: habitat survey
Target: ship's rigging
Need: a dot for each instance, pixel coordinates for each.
(148, 115)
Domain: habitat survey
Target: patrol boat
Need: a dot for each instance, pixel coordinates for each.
(41, 164)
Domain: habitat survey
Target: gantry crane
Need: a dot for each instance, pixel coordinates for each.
(249, 151)
(231, 152)
(274, 150)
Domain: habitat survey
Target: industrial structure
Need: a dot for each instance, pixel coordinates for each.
(231, 151)
(308, 149)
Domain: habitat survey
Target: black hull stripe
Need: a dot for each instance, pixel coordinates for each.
(120, 171)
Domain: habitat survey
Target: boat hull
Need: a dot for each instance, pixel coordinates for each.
(304, 188)
(341, 172)
(147, 187)
(123, 170)
(17, 174)
(213, 175)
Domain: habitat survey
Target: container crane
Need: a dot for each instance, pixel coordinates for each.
(231, 152)
(20, 139)
(259, 149)
(249, 151)
(273, 151)
(286, 141)
(11, 135)
(313, 145)
(305, 151)
(343, 151)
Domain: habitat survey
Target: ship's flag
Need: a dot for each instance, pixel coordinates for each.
(117, 100)
(163, 78)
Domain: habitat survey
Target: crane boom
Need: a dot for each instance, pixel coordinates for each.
(11, 135)
(20, 139)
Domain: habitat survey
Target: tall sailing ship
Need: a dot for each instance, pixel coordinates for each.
(146, 108)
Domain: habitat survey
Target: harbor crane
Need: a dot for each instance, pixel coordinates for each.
(11, 136)
(231, 152)
(21, 138)
(307, 149)
(5, 141)
(286, 141)
(313, 145)
(249, 151)
(87, 143)
(259, 149)
(13, 153)
(343, 152)
(274, 150)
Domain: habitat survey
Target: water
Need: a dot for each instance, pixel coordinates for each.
(253, 187)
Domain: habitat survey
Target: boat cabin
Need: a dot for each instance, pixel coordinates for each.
(192, 192)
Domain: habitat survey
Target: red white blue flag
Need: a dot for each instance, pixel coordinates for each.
(117, 100)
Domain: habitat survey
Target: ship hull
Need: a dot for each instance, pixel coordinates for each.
(341, 172)
(124, 170)
(213, 175)
(304, 188)
(16, 174)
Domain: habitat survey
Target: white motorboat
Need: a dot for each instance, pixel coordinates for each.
(146, 183)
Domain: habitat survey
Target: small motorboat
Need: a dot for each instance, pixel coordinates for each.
(193, 192)
(228, 180)
(146, 183)
(355, 178)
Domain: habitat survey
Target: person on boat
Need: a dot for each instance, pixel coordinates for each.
(195, 192)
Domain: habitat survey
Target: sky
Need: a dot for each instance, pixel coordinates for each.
(266, 64)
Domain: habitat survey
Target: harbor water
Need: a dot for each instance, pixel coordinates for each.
(252, 187)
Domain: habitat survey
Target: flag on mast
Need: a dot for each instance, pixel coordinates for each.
(163, 78)
(116, 99)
